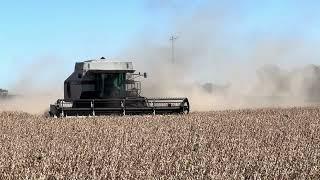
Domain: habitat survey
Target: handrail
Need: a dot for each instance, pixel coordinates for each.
(121, 99)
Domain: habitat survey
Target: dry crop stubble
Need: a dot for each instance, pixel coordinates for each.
(261, 143)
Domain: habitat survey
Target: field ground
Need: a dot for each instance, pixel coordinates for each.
(261, 143)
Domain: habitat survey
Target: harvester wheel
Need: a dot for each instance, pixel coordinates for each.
(185, 107)
(51, 114)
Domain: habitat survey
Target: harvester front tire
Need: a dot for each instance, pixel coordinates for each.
(185, 107)
(51, 114)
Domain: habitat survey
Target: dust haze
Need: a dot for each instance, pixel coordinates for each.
(217, 67)
(38, 84)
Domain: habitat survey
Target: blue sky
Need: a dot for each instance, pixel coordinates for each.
(74, 30)
(35, 28)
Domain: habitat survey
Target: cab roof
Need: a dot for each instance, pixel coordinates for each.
(104, 66)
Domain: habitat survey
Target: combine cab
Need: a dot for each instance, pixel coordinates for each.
(102, 87)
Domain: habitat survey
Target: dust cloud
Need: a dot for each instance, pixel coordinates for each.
(38, 84)
(217, 67)
(268, 86)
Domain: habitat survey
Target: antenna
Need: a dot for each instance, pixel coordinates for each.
(172, 39)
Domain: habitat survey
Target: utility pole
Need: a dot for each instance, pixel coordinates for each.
(172, 39)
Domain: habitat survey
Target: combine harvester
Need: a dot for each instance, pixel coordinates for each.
(102, 87)
(4, 94)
